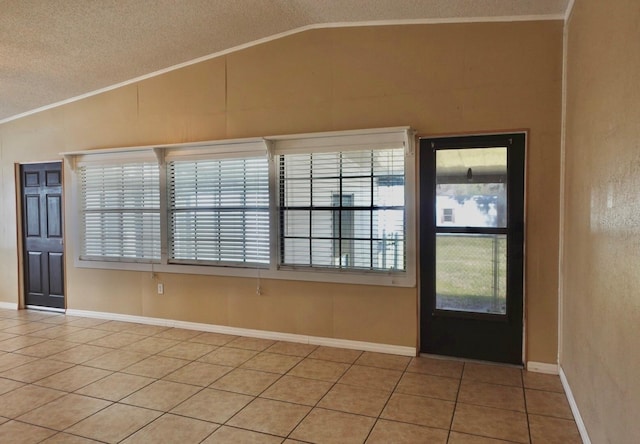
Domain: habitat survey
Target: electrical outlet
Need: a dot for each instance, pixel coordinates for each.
(160, 288)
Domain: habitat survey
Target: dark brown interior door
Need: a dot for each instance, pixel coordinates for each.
(42, 234)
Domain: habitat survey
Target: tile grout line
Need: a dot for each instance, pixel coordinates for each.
(162, 411)
(455, 403)
(111, 403)
(236, 367)
(187, 361)
(526, 410)
(310, 379)
(202, 389)
(388, 399)
(66, 428)
(323, 396)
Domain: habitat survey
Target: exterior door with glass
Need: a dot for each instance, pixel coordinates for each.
(471, 247)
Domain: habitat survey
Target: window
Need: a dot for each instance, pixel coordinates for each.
(332, 207)
(447, 215)
(219, 211)
(342, 230)
(343, 210)
(120, 211)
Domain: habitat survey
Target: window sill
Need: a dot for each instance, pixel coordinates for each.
(387, 279)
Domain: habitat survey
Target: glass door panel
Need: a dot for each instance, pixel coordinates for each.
(471, 272)
(471, 187)
(471, 194)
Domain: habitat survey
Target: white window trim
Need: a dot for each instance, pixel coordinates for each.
(255, 155)
(269, 146)
(107, 157)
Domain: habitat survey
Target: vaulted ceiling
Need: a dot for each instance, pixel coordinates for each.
(56, 50)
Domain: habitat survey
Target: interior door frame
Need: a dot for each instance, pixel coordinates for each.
(21, 303)
(420, 178)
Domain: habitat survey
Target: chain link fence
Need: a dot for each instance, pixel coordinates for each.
(471, 272)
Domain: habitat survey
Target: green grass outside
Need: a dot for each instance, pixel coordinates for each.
(465, 271)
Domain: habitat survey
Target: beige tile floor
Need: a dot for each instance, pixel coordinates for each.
(67, 379)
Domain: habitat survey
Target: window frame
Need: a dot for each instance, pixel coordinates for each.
(108, 159)
(290, 204)
(271, 147)
(235, 151)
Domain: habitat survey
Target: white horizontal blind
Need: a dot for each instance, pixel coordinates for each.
(219, 211)
(343, 210)
(120, 206)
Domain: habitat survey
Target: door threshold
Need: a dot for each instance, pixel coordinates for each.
(39, 308)
(473, 361)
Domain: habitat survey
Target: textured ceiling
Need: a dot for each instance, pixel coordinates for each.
(55, 50)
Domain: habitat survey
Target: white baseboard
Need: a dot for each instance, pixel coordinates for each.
(542, 367)
(263, 334)
(574, 408)
(9, 305)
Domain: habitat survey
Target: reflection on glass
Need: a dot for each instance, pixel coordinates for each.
(471, 272)
(471, 187)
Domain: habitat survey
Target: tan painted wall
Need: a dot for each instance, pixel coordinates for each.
(601, 260)
(450, 78)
